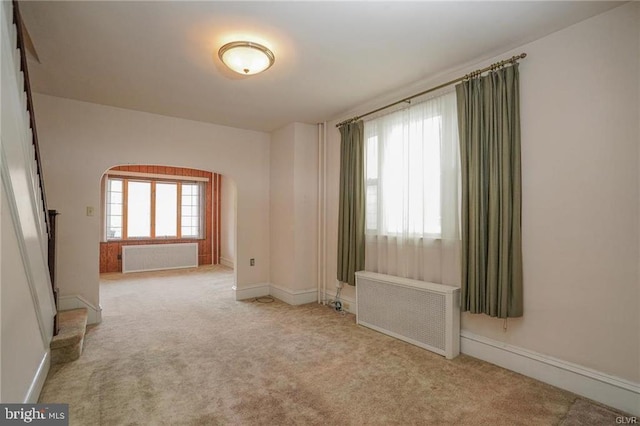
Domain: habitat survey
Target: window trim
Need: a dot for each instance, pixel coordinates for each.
(127, 174)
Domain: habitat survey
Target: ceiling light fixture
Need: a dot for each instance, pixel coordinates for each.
(246, 57)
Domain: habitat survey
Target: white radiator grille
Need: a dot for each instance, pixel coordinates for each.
(424, 314)
(154, 257)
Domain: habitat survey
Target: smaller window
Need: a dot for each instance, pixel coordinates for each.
(191, 216)
(114, 208)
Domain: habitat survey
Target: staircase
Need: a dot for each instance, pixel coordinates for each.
(28, 246)
(68, 326)
(67, 345)
(48, 216)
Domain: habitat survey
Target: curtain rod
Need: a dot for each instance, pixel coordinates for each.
(472, 74)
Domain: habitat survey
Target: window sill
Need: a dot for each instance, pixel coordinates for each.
(410, 237)
(152, 240)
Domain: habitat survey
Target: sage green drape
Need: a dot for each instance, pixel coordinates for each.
(351, 205)
(489, 131)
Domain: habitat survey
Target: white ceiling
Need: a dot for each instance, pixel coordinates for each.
(161, 57)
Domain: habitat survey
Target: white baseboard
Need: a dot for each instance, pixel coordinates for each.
(294, 297)
(291, 297)
(256, 290)
(352, 309)
(76, 301)
(609, 390)
(33, 394)
(227, 262)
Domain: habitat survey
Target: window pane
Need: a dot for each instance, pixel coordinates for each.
(115, 197)
(116, 185)
(114, 209)
(371, 162)
(372, 207)
(432, 128)
(166, 209)
(139, 209)
(394, 171)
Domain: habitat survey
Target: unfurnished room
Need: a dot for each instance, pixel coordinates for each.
(323, 212)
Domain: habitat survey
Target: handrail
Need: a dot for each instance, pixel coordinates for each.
(52, 214)
(17, 20)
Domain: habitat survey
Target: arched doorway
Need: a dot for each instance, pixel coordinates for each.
(152, 205)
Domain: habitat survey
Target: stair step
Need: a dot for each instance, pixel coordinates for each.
(66, 346)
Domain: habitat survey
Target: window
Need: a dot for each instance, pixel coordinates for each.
(191, 210)
(138, 210)
(408, 158)
(114, 209)
(148, 209)
(167, 209)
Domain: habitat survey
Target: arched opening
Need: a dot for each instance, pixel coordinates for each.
(217, 257)
(149, 205)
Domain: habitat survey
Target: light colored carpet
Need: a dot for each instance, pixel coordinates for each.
(174, 348)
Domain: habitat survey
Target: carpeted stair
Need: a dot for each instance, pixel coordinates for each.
(67, 345)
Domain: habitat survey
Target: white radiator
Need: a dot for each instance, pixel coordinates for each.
(421, 313)
(154, 257)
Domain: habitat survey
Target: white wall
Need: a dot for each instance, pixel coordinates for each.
(228, 222)
(23, 349)
(80, 140)
(281, 205)
(580, 206)
(580, 138)
(293, 212)
(306, 206)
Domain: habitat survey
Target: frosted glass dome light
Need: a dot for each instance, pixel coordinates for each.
(246, 57)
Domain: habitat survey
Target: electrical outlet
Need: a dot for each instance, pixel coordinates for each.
(345, 306)
(252, 262)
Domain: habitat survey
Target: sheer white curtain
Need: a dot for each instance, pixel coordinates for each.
(413, 186)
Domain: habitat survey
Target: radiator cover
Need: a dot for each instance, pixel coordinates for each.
(155, 257)
(421, 313)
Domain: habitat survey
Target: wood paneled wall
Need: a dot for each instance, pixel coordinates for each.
(208, 248)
